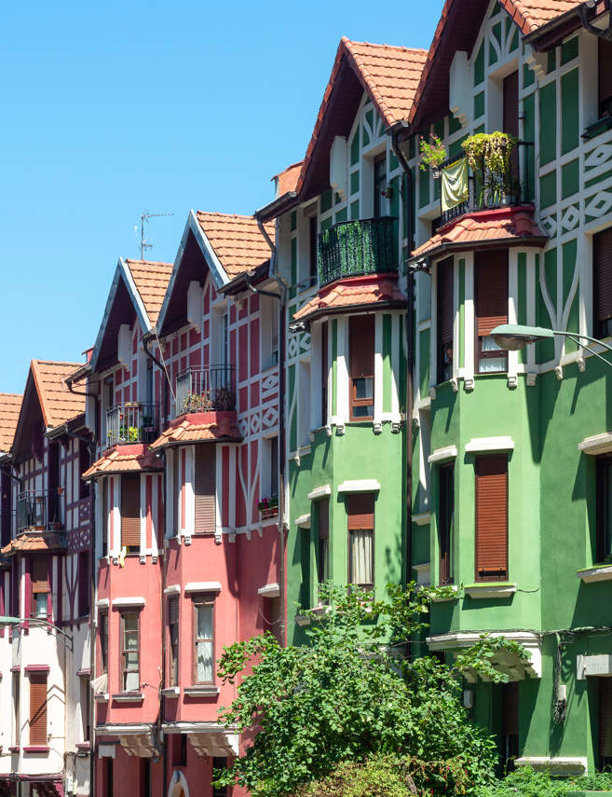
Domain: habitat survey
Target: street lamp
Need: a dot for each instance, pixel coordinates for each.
(512, 337)
(13, 621)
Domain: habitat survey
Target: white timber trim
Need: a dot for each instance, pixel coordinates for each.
(596, 444)
(203, 586)
(423, 574)
(319, 492)
(597, 573)
(478, 444)
(531, 641)
(303, 521)
(359, 486)
(126, 601)
(492, 590)
(441, 454)
(271, 590)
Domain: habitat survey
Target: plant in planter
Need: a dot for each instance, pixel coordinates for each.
(268, 507)
(489, 155)
(433, 154)
(129, 434)
(197, 402)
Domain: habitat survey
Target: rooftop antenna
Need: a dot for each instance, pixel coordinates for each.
(144, 217)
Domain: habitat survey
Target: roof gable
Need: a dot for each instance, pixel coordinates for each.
(10, 405)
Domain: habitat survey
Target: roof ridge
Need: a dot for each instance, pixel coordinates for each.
(148, 262)
(401, 47)
(227, 215)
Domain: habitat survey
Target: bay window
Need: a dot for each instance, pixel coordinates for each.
(491, 308)
(360, 511)
(361, 358)
(130, 651)
(204, 656)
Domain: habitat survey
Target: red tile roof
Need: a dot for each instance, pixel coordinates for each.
(354, 292)
(123, 459)
(530, 15)
(151, 280)
(200, 426)
(35, 541)
(286, 181)
(10, 404)
(58, 404)
(513, 225)
(236, 240)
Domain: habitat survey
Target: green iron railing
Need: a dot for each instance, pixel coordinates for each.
(353, 248)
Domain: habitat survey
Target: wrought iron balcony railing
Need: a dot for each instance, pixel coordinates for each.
(132, 422)
(208, 389)
(354, 248)
(38, 509)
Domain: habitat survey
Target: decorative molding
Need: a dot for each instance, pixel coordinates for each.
(202, 586)
(137, 601)
(171, 691)
(531, 378)
(319, 492)
(269, 591)
(201, 691)
(490, 590)
(596, 444)
(340, 429)
(173, 589)
(128, 697)
(441, 454)
(103, 603)
(596, 573)
(517, 669)
(478, 444)
(468, 384)
(513, 381)
(303, 521)
(561, 765)
(359, 486)
(422, 518)
(377, 427)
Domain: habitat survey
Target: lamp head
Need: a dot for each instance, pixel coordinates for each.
(513, 337)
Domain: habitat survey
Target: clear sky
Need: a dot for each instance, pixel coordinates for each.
(112, 108)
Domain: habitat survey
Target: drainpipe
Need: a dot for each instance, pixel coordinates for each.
(281, 296)
(409, 332)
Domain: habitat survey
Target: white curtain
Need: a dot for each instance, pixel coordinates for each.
(204, 645)
(362, 556)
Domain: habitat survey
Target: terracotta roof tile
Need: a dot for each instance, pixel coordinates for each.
(354, 292)
(28, 541)
(236, 240)
(151, 280)
(198, 427)
(10, 404)
(58, 403)
(487, 226)
(287, 180)
(131, 458)
(530, 15)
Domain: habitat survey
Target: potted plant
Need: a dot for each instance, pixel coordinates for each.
(433, 154)
(268, 507)
(489, 155)
(197, 402)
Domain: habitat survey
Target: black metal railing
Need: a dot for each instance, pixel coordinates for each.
(486, 191)
(208, 389)
(132, 422)
(354, 248)
(38, 509)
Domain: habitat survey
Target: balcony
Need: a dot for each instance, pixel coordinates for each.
(208, 389)
(38, 509)
(131, 422)
(355, 248)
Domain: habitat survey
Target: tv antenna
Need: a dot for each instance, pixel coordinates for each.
(144, 218)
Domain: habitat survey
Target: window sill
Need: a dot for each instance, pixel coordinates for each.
(484, 591)
(128, 697)
(100, 697)
(201, 691)
(15, 750)
(597, 128)
(35, 748)
(454, 597)
(83, 747)
(171, 691)
(596, 573)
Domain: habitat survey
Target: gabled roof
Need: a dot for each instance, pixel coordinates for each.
(199, 427)
(236, 240)
(138, 288)
(458, 29)
(10, 404)
(131, 458)
(57, 403)
(389, 75)
(35, 541)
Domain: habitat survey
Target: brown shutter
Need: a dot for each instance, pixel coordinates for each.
(510, 709)
(323, 518)
(361, 337)
(173, 610)
(491, 517)
(40, 575)
(491, 291)
(445, 303)
(130, 511)
(204, 488)
(605, 718)
(602, 276)
(605, 72)
(38, 709)
(361, 511)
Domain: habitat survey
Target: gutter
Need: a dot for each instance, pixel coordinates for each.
(273, 209)
(582, 15)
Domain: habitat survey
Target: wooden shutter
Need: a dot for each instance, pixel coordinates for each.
(323, 518)
(204, 488)
(605, 73)
(173, 610)
(605, 718)
(445, 303)
(602, 277)
(130, 511)
(38, 709)
(491, 517)
(510, 709)
(40, 575)
(361, 337)
(491, 291)
(360, 511)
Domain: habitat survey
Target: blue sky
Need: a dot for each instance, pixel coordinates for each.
(113, 108)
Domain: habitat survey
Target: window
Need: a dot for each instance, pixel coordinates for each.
(270, 473)
(322, 509)
(492, 517)
(304, 403)
(84, 583)
(103, 641)
(130, 513)
(510, 724)
(360, 508)
(604, 509)
(6, 501)
(40, 588)
(491, 308)
(270, 331)
(173, 641)
(445, 521)
(445, 318)
(602, 283)
(605, 77)
(130, 655)
(313, 242)
(204, 672)
(204, 488)
(510, 100)
(16, 709)
(219, 763)
(38, 709)
(272, 618)
(105, 517)
(605, 723)
(361, 356)
(84, 463)
(380, 183)
(324, 373)
(84, 705)
(179, 749)
(145, 777)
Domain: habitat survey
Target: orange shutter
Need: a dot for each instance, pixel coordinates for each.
(602, 277)
(491, 291)
(38, 709)
(130, 511)
(491, 518)
(361, 511)
(40, 575)
(204, 488)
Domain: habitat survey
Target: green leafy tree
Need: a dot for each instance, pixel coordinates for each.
(349, 695)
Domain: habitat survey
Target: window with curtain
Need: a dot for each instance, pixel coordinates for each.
(360, 511)
(173, 641)
(204, 641)
(130, 652)
(40, 588)
(323, 539)
(103, 641)
(602, 284)
(445, 521)
(445, 311)
(361, 357)
(491, 308)
(604, 508)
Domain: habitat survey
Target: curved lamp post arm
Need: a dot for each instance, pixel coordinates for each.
(13, 621)
(577, 338)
